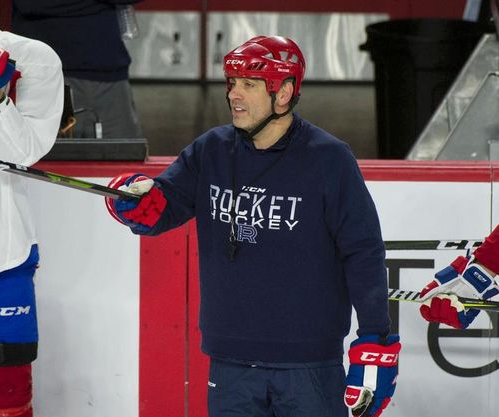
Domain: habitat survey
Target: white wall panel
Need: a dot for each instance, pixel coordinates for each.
(88, 299)
(331, 48)
(433, 210)
(168, 46)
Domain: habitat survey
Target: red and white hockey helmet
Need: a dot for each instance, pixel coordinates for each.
(271, 58)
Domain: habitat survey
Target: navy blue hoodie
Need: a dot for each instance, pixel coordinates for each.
(309, 243)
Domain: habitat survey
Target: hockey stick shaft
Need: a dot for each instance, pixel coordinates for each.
(70, 182)
(463, 244)
(403, 295)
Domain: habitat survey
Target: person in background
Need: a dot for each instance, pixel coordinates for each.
(31, 101)
(289, 242)
(473, 276)
(86, 36)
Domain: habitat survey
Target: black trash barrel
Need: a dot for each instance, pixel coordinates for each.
(415, 63)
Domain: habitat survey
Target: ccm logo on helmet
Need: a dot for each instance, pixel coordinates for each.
(234, 62)
(388, 358)
(14, 311)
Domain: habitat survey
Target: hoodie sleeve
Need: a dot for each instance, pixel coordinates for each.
(353, 222)
(179, 185)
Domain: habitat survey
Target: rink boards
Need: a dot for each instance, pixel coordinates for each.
(118, 313)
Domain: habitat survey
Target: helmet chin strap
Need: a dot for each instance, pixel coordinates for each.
(273, 116)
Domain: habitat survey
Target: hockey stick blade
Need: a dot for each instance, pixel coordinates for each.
(403, 295)
(70, 182)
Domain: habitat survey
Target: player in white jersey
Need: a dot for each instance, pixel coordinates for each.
(31, 102)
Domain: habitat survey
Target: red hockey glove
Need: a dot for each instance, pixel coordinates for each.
(7, 68)
(140, 215)
(463, 278)
(372, 375)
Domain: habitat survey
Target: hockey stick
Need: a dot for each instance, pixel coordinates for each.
(402, 295)
(431, 244)
(70, 182)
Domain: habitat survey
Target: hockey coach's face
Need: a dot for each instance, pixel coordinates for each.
(249, 102)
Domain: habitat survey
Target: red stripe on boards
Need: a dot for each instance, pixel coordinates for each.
(429, 171)
(198, 361)
(153, 166)
(163, 304)
(373, 170)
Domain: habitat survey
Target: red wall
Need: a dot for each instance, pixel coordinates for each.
(395, 8)
(5, 13)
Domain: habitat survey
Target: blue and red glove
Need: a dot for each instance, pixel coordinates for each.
(140, 215)
(372, 375)
(7, 68)
(462, 278)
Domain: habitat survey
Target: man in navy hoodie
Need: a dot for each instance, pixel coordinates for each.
(289, 241)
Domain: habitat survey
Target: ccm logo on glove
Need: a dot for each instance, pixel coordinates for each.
(374, 354)
(381, 358)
